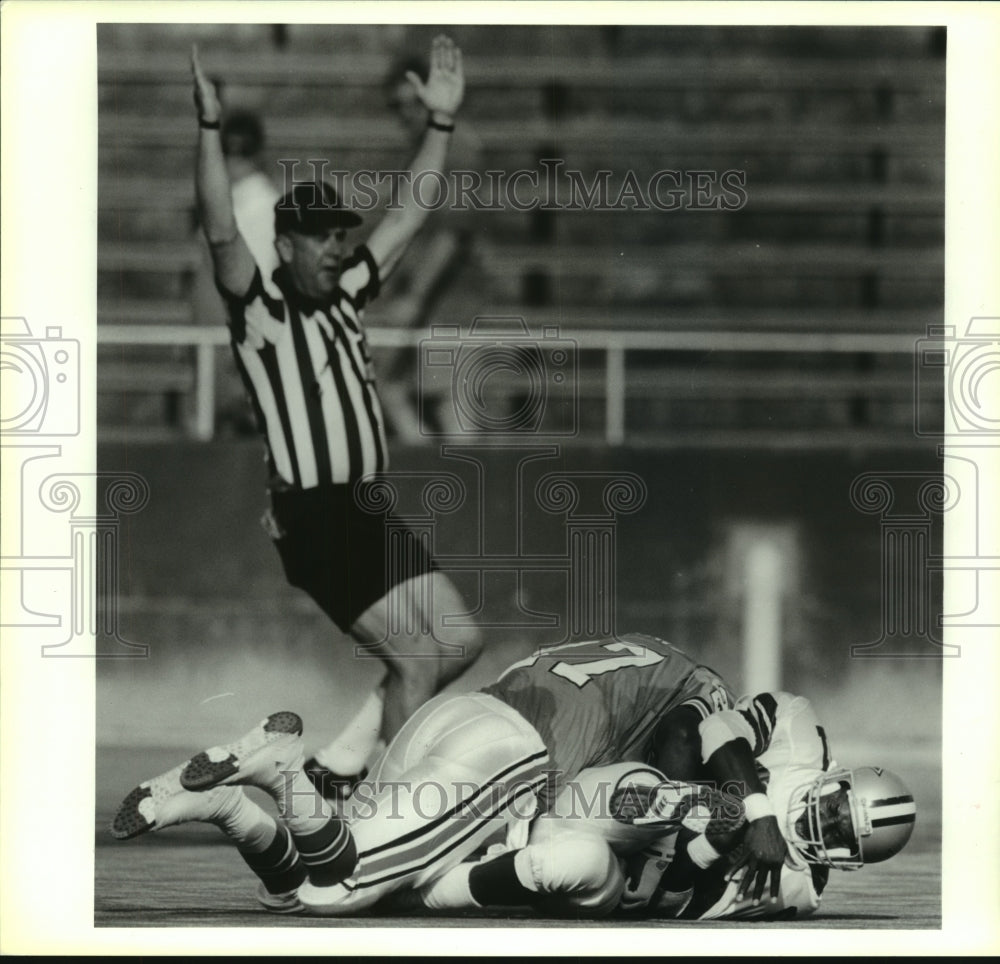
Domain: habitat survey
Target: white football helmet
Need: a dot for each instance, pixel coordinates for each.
(849, 818)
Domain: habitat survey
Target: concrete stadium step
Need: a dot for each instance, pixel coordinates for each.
(154, 258)
(876, 226)
(914, 321)
(132, 225)
(503, 103)
(722, 68)
(840, 165)
(564, 261)
(859, 290)
(739, 275)
(143, 312)
(628, 291)
(146, 208)
(741, 104)
(640, 135)
(847, 42)
(489, 104)
(817, 260)
(159, 378)
(350, 40)
(137, 159)
(907, 230)
(143, 192)
(242, 38)
(609, 40)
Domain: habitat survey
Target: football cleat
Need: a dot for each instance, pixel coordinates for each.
(324, 901)
(163, 802)
(286, 903)
(332, 786)
(255, 759)
(849, 818)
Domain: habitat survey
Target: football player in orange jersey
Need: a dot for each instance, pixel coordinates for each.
(463, 769)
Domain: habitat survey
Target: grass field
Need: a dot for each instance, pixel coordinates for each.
(189, 877)
(205, 885)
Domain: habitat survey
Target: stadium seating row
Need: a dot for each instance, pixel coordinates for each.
(839, 133)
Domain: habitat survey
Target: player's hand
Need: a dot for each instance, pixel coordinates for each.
(764, 852)
(205, 97)
(445, 85)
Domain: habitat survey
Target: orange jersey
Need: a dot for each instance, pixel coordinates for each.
(598, 702)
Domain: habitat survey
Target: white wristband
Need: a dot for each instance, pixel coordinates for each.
(702, 853)
(756, 806)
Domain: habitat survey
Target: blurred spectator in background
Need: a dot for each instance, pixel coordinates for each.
(254, 196)
(438, 282)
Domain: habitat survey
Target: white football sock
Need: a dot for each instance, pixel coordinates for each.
(249, 826)
(303, 809)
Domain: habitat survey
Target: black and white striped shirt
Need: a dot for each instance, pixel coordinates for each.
(308, 371)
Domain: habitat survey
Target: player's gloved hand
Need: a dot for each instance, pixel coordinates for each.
(763, 854)
(445, 87)
(205, 97)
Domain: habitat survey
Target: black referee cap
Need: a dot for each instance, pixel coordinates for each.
(312, 208)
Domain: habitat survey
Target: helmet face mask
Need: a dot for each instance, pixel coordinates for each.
(848, 818)
(823, 824)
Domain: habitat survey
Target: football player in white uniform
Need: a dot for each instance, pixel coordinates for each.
(625, 839)
(831, 817)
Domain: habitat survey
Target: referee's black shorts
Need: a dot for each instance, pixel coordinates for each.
(338, 553)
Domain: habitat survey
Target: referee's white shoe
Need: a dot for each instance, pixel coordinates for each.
(256, 759)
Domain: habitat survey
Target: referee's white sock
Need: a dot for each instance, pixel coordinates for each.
(349, 753)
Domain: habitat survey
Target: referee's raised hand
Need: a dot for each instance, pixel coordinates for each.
(445, 86)
(205, 97)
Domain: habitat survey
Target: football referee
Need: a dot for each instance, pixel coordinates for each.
(302, 353)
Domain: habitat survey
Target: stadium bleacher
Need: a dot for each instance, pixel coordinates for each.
(840, 133)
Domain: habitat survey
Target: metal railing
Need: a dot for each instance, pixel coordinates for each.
(613, 344)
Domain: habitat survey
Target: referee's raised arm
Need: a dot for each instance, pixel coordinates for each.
(231, 258)
(442, 96)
